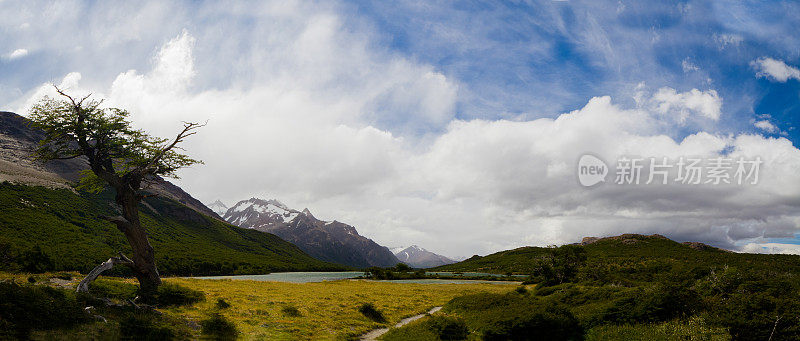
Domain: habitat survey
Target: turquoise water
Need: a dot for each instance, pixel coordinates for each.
(444, 281)
(469, 274)
(310, 277)
(293, 277)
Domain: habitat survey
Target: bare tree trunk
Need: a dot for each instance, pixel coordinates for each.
(144, 262)
(83, 286)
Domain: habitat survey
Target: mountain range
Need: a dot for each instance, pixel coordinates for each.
(330, 241)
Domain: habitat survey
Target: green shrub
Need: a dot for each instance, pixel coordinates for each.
(372, 313)
(291, 311)
(170, 294)
(219, 328)
(144, 326)
(222, 304)
(548, 323)
(521, 290)
(35, 261)
(448, 328)
(63, 275)
(28, 307)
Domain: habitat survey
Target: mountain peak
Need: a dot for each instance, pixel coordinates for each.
(418, 257)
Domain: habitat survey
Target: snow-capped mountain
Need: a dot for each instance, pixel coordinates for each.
(418, 257)
(325, 240)
(218, 207)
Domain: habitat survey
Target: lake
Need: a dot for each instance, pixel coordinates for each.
(310, 277)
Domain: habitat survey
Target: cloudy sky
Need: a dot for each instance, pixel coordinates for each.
(456, 126)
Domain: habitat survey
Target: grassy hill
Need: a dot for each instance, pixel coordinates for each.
(629, 254)
(58, 229)
(629, 287)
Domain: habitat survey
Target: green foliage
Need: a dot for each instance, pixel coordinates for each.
(448, 328)
(170, 294)
(66, 224)
(35, 261)
(372, 313)
(402, 267)
(222, 304)
(641, 287)
(291, 311)
(694, 329)
(145, 326)
(217, 327)
(24, 308)
(79, 127)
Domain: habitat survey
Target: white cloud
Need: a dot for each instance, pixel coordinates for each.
(706, 103)
(775, 69)
(771, 248)
(16, 54)
(725, 40)
(688, 66)
(306, 109)
(766, 126)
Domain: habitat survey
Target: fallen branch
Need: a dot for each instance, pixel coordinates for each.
(83, 286)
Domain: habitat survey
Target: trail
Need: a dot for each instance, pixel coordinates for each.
(374, 334)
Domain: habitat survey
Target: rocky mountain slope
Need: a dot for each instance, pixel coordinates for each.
(18, 140)
(330, 241)
(43, 218)
(418, 257)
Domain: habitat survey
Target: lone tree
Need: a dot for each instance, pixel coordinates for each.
(119, 156)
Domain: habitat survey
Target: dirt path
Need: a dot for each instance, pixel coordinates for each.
(374, 334)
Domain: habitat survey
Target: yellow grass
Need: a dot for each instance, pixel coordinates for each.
(329, 309)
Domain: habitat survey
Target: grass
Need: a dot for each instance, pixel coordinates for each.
(328, 310)
(44, 229)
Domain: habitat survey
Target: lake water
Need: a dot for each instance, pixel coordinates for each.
(310, 277)
(293, 277)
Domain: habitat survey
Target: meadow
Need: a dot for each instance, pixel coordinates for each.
(270, 310)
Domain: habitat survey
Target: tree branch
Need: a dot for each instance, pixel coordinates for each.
(83, 286)
(122, 223)
(187, 131)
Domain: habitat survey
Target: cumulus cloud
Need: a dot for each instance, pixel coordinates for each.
(16, 54)
(775, 70)
(706, 103)
(321, 116)
(766, 126)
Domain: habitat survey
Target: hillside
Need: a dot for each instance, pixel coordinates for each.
(629, 252)
(64, 225)
(330, 241)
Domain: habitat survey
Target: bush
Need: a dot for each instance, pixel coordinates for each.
(521, 290)
(144, 326)
(170, 294)
(24, 308)
(548, 323)
(291, 311)
(219, 328)
(222, 304)
(448, 328)
(369, 310)
(36, 261)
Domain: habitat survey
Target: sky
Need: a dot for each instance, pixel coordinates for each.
(453, 125)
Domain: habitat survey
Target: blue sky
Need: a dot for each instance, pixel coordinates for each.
(421, 122)
(540, 59)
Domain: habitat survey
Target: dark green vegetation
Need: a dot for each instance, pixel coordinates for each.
(631, 287)
(217, 327)
(372, 313)
(39, 311)
(52, 230)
